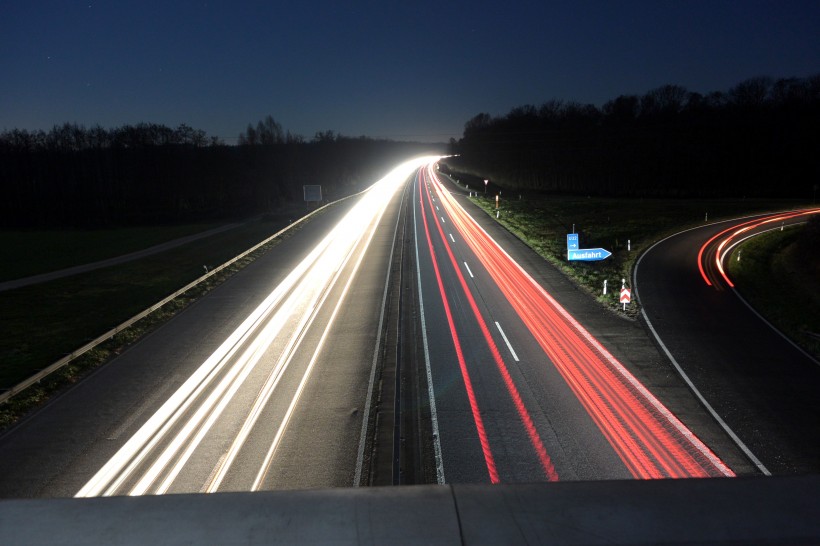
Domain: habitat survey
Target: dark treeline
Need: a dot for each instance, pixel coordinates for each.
(73, 176)
(761, 138)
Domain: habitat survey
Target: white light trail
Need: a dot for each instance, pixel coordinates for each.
(182, 421)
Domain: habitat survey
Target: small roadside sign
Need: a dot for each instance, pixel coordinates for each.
(313, 192)
(574, 253)
(588, 254)
(626, 296)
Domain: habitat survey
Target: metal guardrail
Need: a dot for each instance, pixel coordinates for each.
(42, 374)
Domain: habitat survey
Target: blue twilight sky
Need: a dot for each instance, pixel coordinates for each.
(403, 70)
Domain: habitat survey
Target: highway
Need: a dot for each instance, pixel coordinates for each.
(390, 340)
(263, 384)
(762, 386)
(524, 392)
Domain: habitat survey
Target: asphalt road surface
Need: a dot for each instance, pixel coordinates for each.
(263, 384)
(524, 392)
(281, 377)
(762, 386)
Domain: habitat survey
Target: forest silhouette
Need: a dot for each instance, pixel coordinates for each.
(79, 177)
(759, 139)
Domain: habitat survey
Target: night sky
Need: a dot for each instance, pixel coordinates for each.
(401, 70)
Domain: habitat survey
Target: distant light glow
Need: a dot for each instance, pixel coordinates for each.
(182, 422)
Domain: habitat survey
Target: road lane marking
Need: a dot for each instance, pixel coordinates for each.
(507, 341)
(478, 420)
(524, 415)
(442, 219)
(643, 455)
(469, 270)
(451, 238)
(751, 456)
(430, 391)
(753, 310)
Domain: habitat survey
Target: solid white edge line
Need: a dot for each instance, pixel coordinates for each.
(368, 399)
(430, 391)
(752, 309)
(507, 341)
(760, 466)
(468, 270)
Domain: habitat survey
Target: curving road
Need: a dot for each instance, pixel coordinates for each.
(758, 383)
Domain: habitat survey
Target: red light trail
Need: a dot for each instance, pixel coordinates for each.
(704, 264)
(648, 438)
(526, 419)
(468, 384)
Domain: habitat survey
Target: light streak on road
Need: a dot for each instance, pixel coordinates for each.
(649, 439)
(523, 414)
(727, 236)
(489, 460)
(153, 457)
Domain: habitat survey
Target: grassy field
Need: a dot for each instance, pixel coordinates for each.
(39, 324)
(625, 227)
(25, 253)
(781, 283)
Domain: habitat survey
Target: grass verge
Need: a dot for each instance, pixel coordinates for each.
(625, 227)
(780, 282)
(26, 253)
(41, 323)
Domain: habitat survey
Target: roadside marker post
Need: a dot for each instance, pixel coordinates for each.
(604, 287)
(626, 296)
